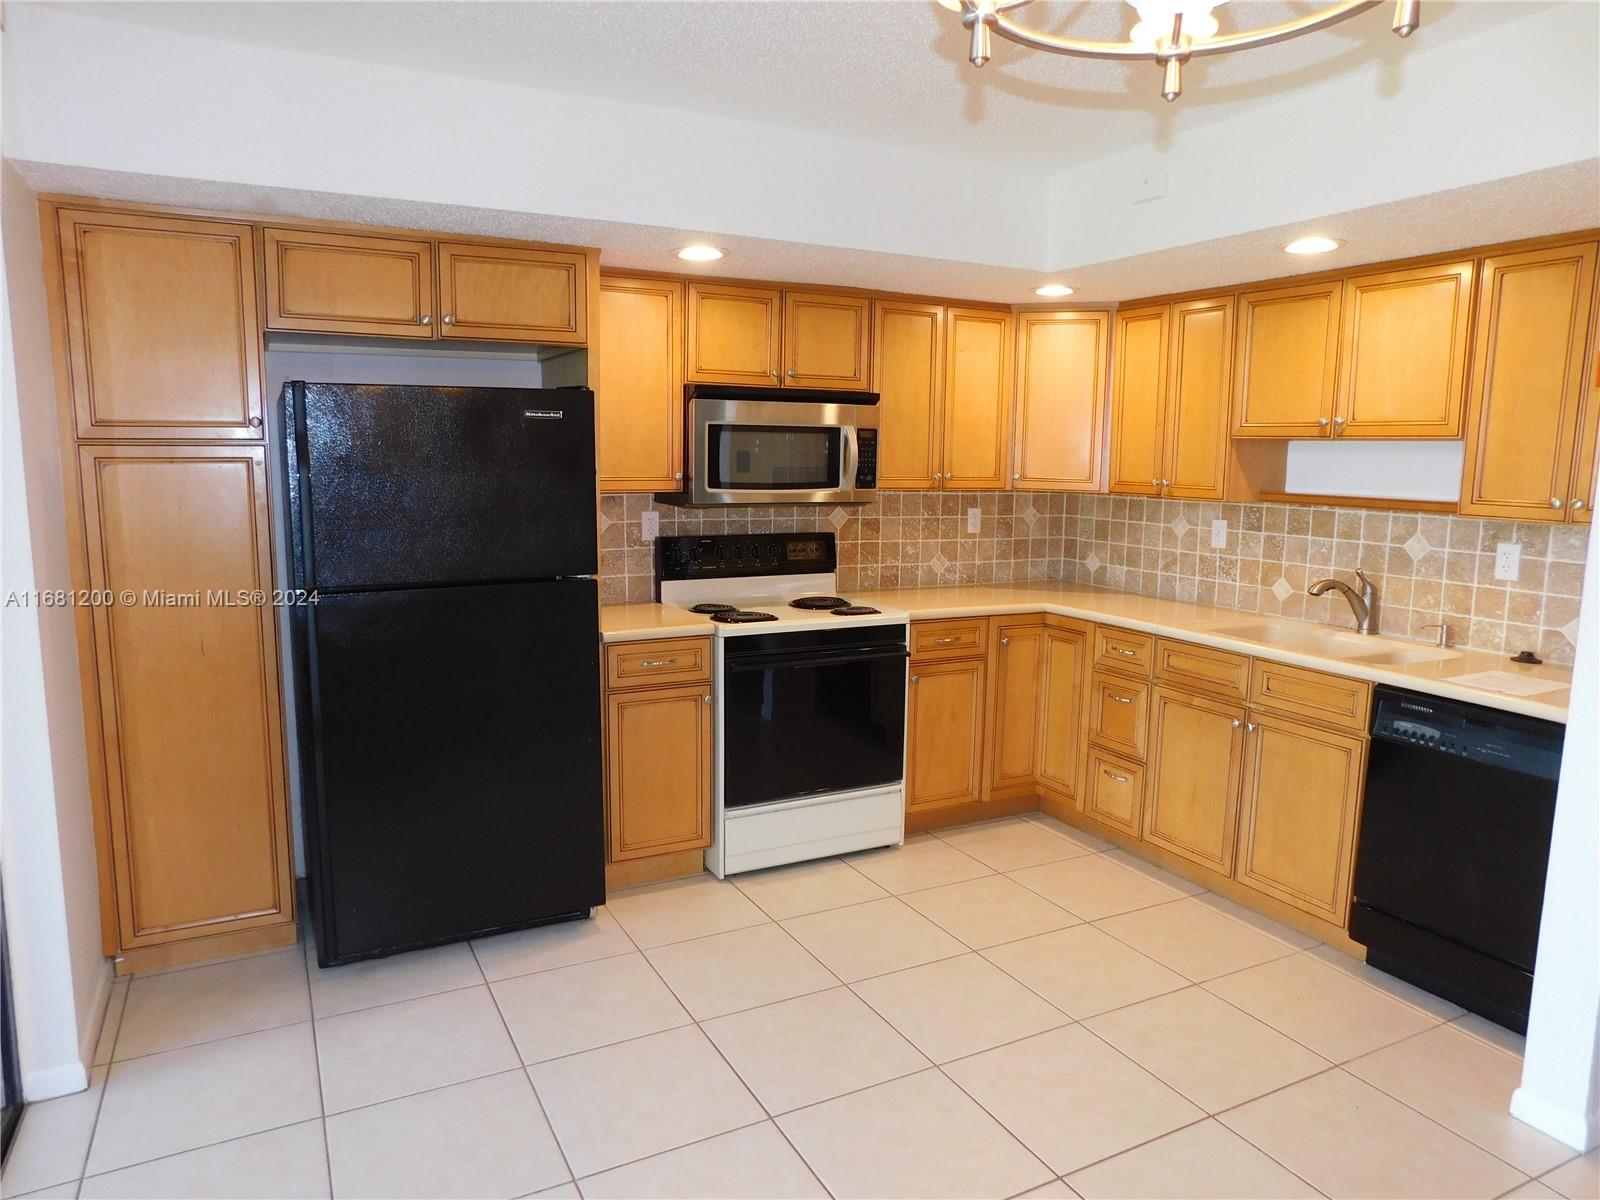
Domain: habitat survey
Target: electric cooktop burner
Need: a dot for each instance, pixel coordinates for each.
(819, 602)
(741, 617)
(854, 610)
(713, 608)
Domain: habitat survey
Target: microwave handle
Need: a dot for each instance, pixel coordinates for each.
(847, 475)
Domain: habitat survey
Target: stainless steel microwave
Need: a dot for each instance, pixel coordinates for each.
(778, 446)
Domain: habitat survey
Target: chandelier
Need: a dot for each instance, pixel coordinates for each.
(1169, 32)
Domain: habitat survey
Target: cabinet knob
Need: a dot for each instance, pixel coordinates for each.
(677, 475)
(255, 422)
(1249, 726)
(1322, 420)
(913, 679)
(706, 699)
(449, 320)
(1577, 506)
(1155, 483)
(1016, 476)
(427, 318)
(1005, 641)
(1338, 420)
(1237, 723)
(791, 374)
(774, 374)
(1555, 502)
(1166, 482)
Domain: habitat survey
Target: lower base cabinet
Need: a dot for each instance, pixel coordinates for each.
(944, 733)
(1196, 761)
(1302, 796)
(1066, 659)
(1113, 792)
(1014, 683)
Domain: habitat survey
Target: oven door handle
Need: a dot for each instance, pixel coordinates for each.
(809, 658)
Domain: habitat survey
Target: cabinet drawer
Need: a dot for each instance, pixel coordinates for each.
(933, 640)
(1123, 650)
(1328, 699)
(1202, 668)
(1113, 791)
(1119, 714)
(651, 664)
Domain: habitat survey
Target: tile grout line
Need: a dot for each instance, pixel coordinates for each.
(316, 1059)
(105, 1086)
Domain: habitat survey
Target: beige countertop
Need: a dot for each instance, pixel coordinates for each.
(1301, 643)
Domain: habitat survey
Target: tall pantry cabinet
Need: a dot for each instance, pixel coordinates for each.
(159, 378)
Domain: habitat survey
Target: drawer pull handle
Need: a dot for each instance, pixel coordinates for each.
(944, 641)
(1125, 650)
(657, 662)
(1110, 774)
(1120, 699)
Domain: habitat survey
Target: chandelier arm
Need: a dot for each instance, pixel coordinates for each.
(1127, 51)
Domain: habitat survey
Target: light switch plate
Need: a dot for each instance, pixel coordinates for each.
(974, 520)
(1507, 560)
(649, 524)
(1219, 534)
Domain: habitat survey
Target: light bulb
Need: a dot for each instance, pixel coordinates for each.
(1312, 245)
(1053, 290)
(699, 254)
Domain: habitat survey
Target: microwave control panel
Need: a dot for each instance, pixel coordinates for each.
(866, 458)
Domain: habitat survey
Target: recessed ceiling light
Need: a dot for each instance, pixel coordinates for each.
(699, 254)
(1053, 290)
(1312, 245)
(952, 5)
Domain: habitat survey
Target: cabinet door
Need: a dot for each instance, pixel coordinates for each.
(1015, 679)
(1066, 658)
(908, 375)
(1138, 400)
(510, 294)
(161, 326)
(1403, 354)
(1527, 382)
(348, 283)
(1061, 388)
(188, 689)
(1119, 714)
(1285, 361)
(637, 373)
(1582, 487)
(1196, 760)
(1197, 399)
(825, 340)
(944, 734)
(1113, 792)
(977, 399)
(658, 771)
(734, 334)
(1297, 833)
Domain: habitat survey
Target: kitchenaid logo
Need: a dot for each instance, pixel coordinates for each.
(544, 414)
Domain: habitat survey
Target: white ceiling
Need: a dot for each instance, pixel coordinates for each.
(889, 71)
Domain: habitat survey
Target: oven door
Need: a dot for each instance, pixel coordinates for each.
(746, 451)
(810, 713)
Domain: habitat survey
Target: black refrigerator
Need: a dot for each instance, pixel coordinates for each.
(446, 660)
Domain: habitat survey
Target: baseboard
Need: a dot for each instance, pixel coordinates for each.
(51, 1082)
(1581, 1131)
(89, 1037)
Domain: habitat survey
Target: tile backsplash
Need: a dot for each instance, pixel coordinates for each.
(899, 539)
(1427, 568)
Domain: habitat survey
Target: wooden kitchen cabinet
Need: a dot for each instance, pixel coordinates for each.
(324, 282)
(658, 770)
(908, 375)
(160, 323)
(1285, 361)
(977, 399)
(1016, 677)
(1061, 387)
(1196, 762)
(499, 293)
(1138, 400)
(1113, 791)
(637, 376)
(826, 338)
(1528, 385)
(186, 694)
(735, 334)
(944, 733)
(1582, 488)
(1119, 713)
(1403, 353)
(1061, 732)
(1302, 796)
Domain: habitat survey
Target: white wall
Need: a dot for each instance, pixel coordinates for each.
(1560, 1092)
(61, 979)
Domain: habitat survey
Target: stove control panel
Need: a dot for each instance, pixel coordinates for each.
(731, 555)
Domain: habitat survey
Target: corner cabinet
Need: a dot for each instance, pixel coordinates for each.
(1061, 388)
(637, 376)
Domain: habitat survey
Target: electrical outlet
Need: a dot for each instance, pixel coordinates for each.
(1507, 560)
(974, 520)
(649, 524)
(1152, 186)
(1219, 534)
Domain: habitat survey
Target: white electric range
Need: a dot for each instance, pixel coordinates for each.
(810, 690)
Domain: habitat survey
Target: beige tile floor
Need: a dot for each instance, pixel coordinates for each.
(1010, 1009)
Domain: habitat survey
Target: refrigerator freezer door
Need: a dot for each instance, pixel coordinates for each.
(453, 780)
(407, 486)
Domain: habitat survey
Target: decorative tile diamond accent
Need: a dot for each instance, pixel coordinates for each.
(1417, 547)
(1181, 526)
(939, 562)
(1282, 589)
(1570, 631)
(1032, 519)
(1093, 562)
(837, 518)
(605, 522)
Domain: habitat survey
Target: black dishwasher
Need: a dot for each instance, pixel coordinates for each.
(1455, 842)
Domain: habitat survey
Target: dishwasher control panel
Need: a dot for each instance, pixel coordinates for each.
(1468, 731)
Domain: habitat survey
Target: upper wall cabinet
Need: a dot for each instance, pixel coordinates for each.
(735, 334)
(1061, 384)
(1285, 361)
(826, 340)
(500, 293)
(1403, 355)
(908, 375)
(1139, 400)
(348, 283)
(1525, 406)
(161, 326)
(1582, 488)
(636, 370)
(977, 399)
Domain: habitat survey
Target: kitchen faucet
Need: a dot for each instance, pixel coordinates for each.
(1360, 602)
